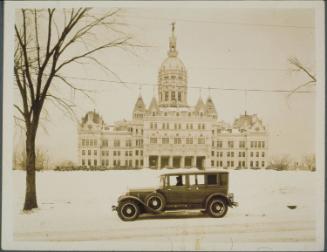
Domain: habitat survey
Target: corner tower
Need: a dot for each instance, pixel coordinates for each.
(172, 88)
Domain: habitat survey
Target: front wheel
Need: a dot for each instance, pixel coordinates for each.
(156, 201)
(128, 210)
(217, 208)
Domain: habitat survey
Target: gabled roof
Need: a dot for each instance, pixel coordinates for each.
(139, 105)
(154, 105)
(211, 109)
(200, 106)
(249, 122)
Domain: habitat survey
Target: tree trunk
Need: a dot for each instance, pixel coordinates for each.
(30, 196)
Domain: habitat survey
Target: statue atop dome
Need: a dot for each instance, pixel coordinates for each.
(172, 42)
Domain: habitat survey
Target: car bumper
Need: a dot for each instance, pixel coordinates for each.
(232, 203)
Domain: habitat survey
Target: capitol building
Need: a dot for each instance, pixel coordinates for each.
(171, 133)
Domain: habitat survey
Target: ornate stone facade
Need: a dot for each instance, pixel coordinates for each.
(170, 133)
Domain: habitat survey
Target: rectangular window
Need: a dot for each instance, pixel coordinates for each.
(87, 142)
(230, 144)
(212, 153)
(153, 140)
(126, 153)
(212, 179)
(128, 143)
(201, 140)
(95, 162)
(179, 96)
(173, 96)
(263, 163)
(89, 152)
(257, 164)
(141, 162)
(83, 162)
(83, 152)
(166, 96)
(232, 154)
(114, 153)
(263, 144)
(228, 154)
(83, 142)
(165, 140)
(228, 163)
(232, 163)
(251, 154)
(212, 163)
(189, 140)
(95, 152)
(262, 154)
(242, 144)
(116, 143)
(136, 152)
(141, 152)
(251, 164)
(257, 154)
(89, 162)
(177, 140)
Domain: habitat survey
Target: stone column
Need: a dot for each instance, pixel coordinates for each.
(170, 161)
(193, 162)
(159, 162)
(146, 161)
(182, 162)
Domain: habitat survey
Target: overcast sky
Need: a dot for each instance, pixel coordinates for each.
(222, 48)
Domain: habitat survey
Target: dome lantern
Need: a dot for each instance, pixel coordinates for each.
(172, 91)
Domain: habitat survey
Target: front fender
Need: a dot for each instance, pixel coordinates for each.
(129, 197)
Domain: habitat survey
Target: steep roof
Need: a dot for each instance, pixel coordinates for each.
(211, 109)
(252, 122)
(139, 105)
(200, 106)
(154, 105)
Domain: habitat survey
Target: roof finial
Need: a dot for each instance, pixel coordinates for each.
(140, 90)
(172, 42)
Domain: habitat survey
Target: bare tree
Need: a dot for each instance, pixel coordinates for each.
(309, 162)
(41, 159)
(47, 41)
(280, 162)
(300, 67)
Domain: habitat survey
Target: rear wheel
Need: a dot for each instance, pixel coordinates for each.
(217, 208)
(156, 201)
(128, 210)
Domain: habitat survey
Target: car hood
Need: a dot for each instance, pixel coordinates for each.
(141, 190)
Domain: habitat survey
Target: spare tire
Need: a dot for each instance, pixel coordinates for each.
(155, 201)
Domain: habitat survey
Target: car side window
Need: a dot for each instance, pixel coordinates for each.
(212, 179)
(200, 179)
(177, 180)
(192, 179)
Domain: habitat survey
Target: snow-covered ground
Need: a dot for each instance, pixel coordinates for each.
(76, 206)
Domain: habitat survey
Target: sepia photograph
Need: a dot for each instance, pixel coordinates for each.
(163, 126)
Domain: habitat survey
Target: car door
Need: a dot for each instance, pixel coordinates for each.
(198, 188)
(176, 193)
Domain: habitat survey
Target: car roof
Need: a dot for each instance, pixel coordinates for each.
(192, 172)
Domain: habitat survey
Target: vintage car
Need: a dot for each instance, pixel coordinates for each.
(203, 190)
